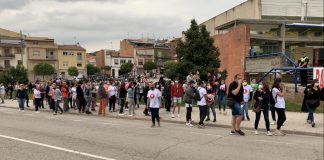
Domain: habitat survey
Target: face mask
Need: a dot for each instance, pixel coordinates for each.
(316, 84)
(244, 83)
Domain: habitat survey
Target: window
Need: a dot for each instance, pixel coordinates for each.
(65, 53)
(7, 50)
(140, 62)
(18, 50)
(7, 63)
(36, 53)
(129, 61)
(79, 65)
(19, 62)
(79, 56)
(116, 61)
(318, 34)
(65, 64)
(71, 54)
(122, 61)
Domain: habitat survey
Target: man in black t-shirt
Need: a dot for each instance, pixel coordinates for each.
(235, 91)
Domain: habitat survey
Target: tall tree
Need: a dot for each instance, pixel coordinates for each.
(73, 71)
(43, 69)
(196, 52)
(126, 68)
(14, 74)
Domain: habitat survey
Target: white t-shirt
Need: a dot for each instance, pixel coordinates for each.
(37, 93)
(112, 90)
(280, 101)
(246, 92)
(202, 93)
(74, 93)
(153, 96)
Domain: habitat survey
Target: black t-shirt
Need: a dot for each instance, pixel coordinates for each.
(239, 96)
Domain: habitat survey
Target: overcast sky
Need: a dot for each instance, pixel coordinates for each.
(101, 24)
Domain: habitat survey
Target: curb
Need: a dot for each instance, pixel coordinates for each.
(180, 122)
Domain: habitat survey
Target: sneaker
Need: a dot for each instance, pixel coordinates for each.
(172, 116)
(269, 133)
(278, 133)
(256, 132)
(214, 120)
(153, 125)
(37, 112)
(178, 115)
(309, 121)
(207, 120)
(248, 119)
(240, 132)
(121, 114)
(273, 123)
(23, 110)
(187, 124)
(130, 115)
(313, 124)
(232, 132)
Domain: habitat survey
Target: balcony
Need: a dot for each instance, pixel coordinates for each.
(7, 55)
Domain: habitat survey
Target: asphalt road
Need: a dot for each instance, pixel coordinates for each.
(32, 136)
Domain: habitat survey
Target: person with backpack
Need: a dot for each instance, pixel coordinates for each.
(278, 93)
(262, 99)
(312, 100)
(188, 98)
(201, 98)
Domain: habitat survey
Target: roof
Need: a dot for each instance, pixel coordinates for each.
(71, 47)
(38, 38)
(113, 53)
(8, 33)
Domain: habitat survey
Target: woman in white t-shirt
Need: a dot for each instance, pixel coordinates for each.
(154, 103)
(74, 96)
(278, 93)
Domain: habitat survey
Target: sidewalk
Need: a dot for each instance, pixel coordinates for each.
(295, 124)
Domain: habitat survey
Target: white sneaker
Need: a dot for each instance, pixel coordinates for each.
(273, 123)
(256, 132)
(178, 115)
(190, 125)
(172, 116)
(121, 114)
(23, 110)
(37, 112)
(269, 133)
(130, 115)
(187, 124)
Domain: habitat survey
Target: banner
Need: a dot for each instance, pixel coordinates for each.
(318, 73)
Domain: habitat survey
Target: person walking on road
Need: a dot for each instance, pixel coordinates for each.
(262, 99)
(57, 99)
(21, 97)
(247, 94)
(278, 93)
(201, 98)
(312, 100)
(235, 96)
(154, 103)
(188, 99)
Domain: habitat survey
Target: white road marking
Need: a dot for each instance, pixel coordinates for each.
(206, 134)
(57, 148)
(274, 142)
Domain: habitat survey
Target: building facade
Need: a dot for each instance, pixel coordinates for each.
(71, 55)
(115, 60)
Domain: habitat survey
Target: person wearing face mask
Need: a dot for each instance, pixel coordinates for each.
(312, 100)
(210, 102)
(131, 98)
(221, 96)
(279, 92)
(188, 99)
(262, 95)
(247, 94)
(154, 103)
(176, 93)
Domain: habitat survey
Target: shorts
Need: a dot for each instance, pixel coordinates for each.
(176, 100)
(237, 109)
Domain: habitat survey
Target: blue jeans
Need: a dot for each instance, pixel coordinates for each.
(21, 103)
(236, 109)
(310, 114)
(245, 110)
(221, 101)
(265, 112)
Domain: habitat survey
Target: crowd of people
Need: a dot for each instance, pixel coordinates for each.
(63, 95)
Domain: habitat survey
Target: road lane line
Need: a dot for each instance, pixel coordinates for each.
(206, 134)
(274, 142)
(57, 148)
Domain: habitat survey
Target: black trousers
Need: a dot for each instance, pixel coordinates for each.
(37, 103)
(168, 104)
(122, 104)
(112, 102)
(82, 104)
(281, 117)
(202, 113)
(265, 112)
(188, 114)
(155, 115)
(303, 77)
(273, 113)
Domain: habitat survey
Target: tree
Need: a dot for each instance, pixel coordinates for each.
(14, 74)
(149, 66)
(73, 71)
(43, 69)
(106, 68)
(196, 53)
(91, 69)
(126, 68)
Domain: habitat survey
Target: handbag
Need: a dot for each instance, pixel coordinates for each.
(257, 106)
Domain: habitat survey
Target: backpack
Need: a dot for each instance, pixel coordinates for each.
(197, 95)
(273, 100)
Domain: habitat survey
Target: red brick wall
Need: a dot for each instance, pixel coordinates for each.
(126, 49)
(233, 47)
(100, 58)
